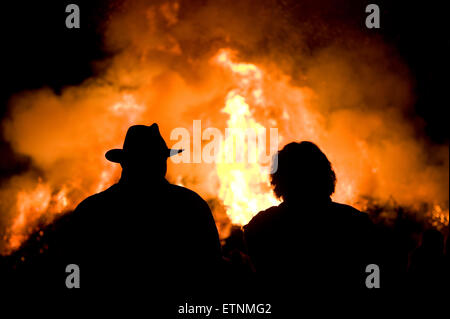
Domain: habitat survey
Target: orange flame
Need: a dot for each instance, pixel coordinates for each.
(33, 205)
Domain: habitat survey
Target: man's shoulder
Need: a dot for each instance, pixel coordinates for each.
(184, 196)
(183, 191)
(97, 199)
(82, 214)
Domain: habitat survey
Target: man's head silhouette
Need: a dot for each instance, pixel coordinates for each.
(303, 174)
(144, 153)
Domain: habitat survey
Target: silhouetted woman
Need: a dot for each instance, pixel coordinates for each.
(308, 240)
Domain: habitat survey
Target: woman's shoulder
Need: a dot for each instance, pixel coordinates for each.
(263, 218)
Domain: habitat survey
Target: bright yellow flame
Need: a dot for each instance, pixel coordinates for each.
(244, 185)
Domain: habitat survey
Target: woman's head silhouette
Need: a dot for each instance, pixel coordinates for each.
(304, 173)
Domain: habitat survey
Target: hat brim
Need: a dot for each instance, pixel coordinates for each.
(118, 155)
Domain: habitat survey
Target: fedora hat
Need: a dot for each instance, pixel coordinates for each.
(141, 140)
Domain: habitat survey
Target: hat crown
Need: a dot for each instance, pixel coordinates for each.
(142, 137)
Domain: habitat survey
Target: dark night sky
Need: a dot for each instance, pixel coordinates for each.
(39, 51)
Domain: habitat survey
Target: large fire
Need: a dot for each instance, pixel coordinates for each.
(336, 99)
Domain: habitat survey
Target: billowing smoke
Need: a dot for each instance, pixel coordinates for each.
(347, 93)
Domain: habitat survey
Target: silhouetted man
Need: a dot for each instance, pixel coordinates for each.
(142, 232)
(308, 241)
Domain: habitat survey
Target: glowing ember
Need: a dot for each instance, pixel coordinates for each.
(32, 206)
(439, 217)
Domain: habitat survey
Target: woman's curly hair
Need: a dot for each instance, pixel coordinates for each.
(302, 171)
